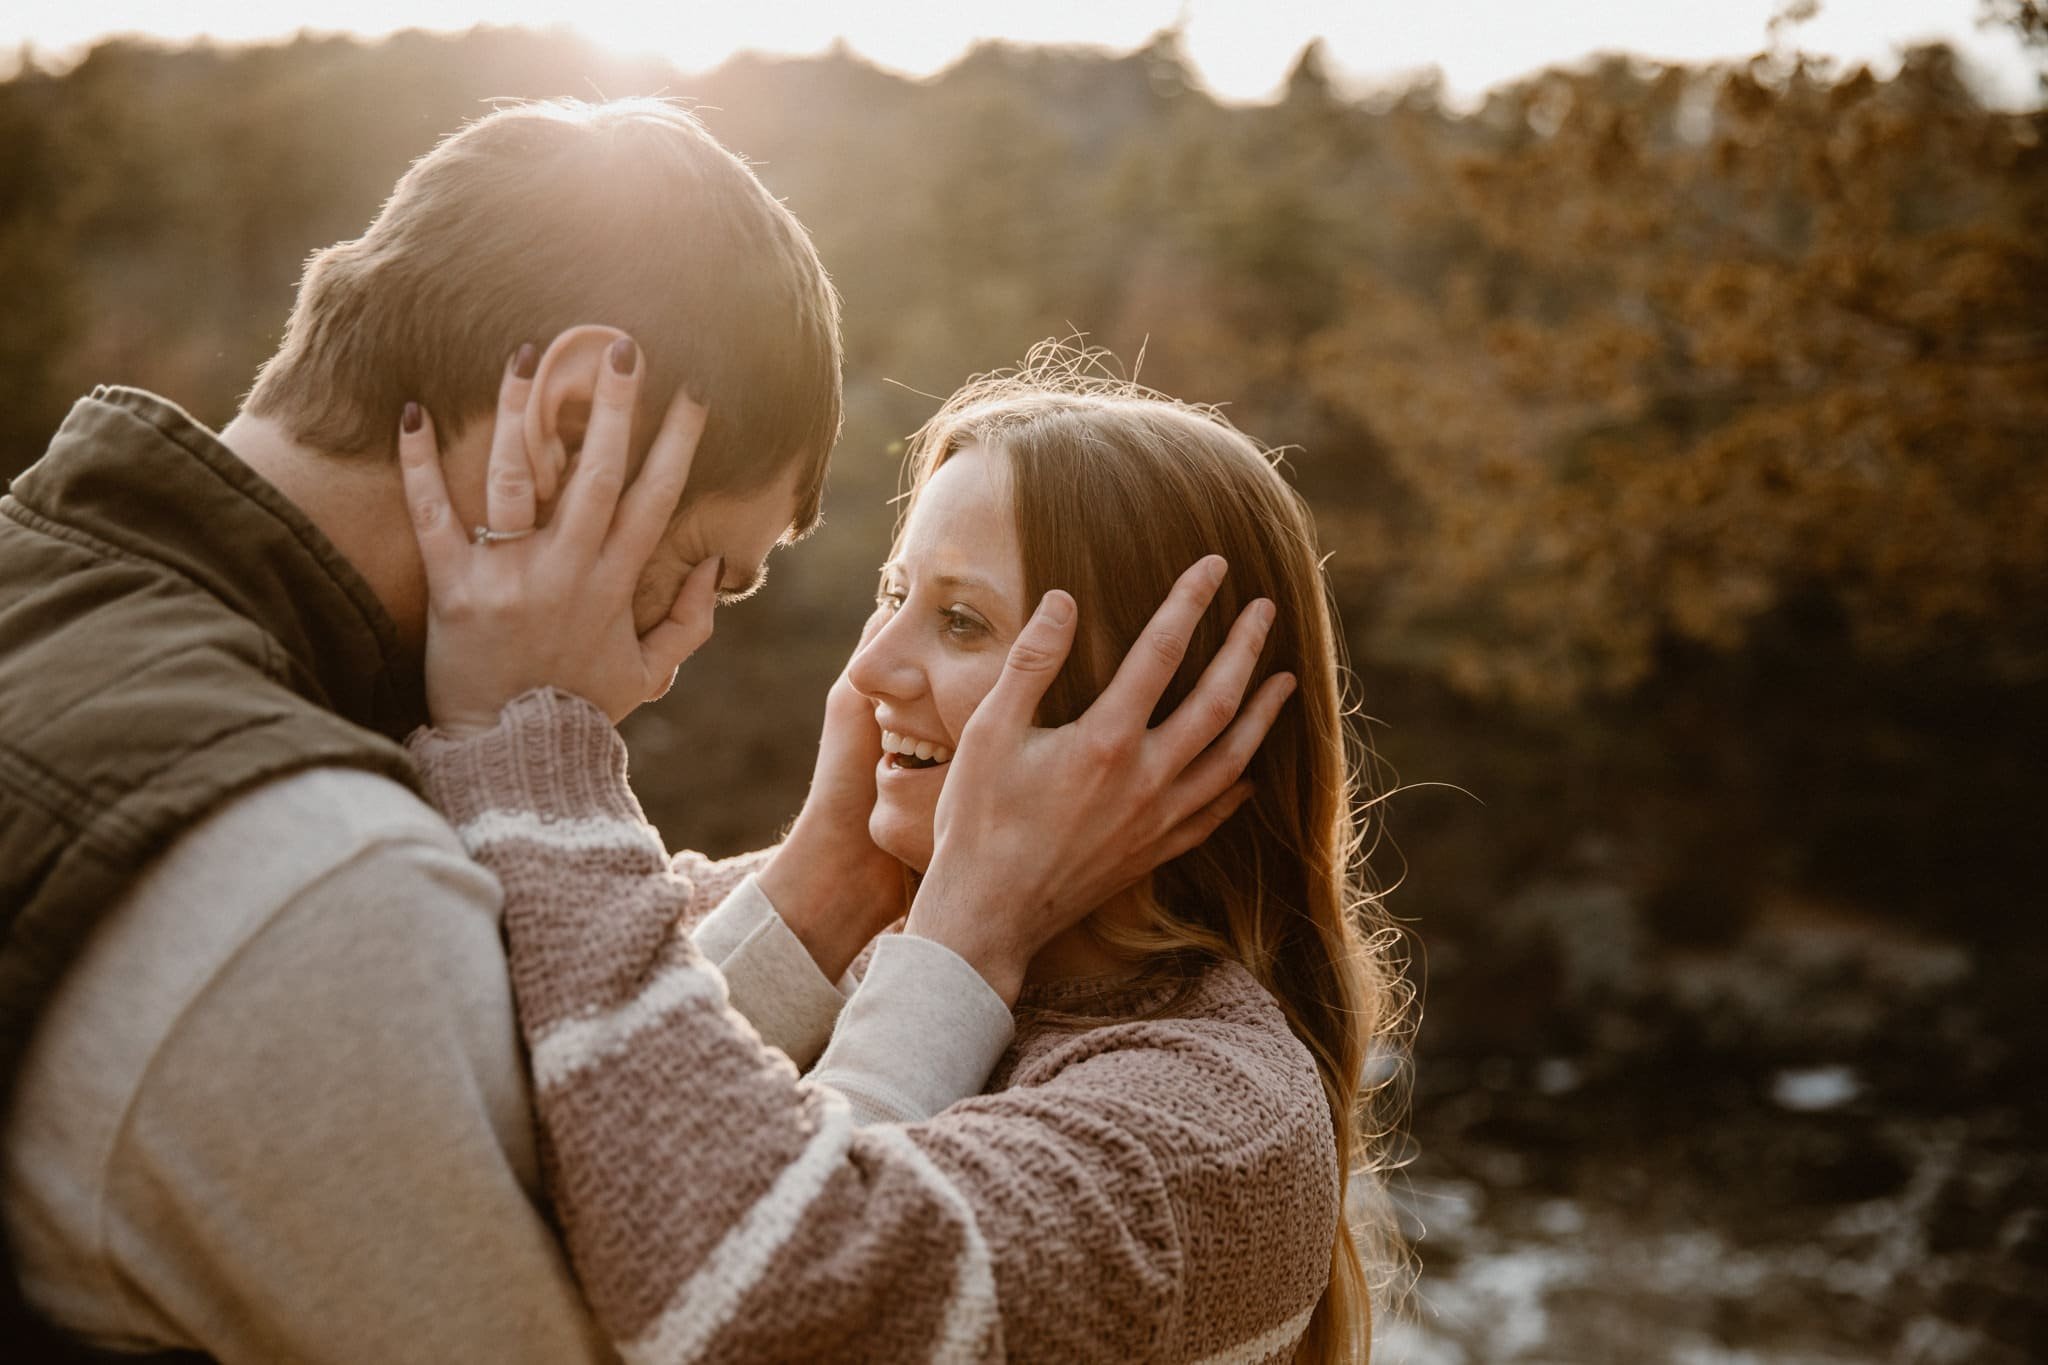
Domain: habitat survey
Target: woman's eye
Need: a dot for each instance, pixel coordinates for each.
(960, 625)
(888, 599)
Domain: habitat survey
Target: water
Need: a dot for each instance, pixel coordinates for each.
(1659, 1251)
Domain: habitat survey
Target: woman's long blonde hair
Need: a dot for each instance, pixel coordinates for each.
(1117, 490)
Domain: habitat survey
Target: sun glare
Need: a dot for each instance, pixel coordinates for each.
(1242, 48)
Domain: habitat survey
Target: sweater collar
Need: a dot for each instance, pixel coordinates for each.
(138, 474)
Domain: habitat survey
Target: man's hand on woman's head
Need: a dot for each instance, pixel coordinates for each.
(531, 606)
(1036, 827)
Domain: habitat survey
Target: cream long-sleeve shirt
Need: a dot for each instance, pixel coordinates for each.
(279, 1109)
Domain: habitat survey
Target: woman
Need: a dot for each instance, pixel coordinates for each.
(1158, 1165)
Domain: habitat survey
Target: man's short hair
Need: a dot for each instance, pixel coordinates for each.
(540, 217)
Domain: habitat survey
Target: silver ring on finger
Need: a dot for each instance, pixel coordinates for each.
(484, 535)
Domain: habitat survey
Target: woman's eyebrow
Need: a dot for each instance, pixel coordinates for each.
(962, 580)
(895, 567)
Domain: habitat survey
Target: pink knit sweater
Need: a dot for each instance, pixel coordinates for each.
(1128, 1188)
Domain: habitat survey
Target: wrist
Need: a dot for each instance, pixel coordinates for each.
(799, 881)
(549, 753)
(955, 916)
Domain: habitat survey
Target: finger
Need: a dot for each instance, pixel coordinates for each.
(509, 481)
(687, 626)
(587, 505)
(442, 543)
(1223, 762)
(650, 504)
(1143, 675)
(1194, 831)
(1035, 659)
(1211, 705)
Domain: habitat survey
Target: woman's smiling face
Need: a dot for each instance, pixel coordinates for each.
(954, 599)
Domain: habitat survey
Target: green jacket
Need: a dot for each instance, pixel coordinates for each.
(173, 632)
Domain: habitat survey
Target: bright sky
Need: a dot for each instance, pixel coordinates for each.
(1242, 47)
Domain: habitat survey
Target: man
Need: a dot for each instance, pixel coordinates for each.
(266, 1094)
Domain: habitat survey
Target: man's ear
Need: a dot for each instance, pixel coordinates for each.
(558, 409)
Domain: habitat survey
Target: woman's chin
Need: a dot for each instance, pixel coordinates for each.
(903, 835)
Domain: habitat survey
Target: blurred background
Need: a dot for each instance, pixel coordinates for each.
(1672, 399)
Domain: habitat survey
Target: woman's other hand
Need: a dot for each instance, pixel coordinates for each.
(528, 606)
(828, 881)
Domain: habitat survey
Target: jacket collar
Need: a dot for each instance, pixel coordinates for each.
(139, 475)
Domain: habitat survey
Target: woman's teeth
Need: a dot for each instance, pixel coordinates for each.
(914, 753)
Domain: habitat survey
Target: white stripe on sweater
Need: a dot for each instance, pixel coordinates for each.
(971, 1307)
(708, 1300)
(1266, 1344)
(590, 833)
(576, 1044)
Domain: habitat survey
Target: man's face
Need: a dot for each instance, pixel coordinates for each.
(743, 527)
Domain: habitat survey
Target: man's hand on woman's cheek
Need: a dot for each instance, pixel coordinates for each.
(1035, 827)
(828, 881)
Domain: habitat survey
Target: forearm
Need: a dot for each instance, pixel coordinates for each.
(640, 896)
(800, 880)
(683, 1157)
(770, 976)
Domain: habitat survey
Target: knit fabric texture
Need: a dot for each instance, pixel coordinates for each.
(1129, 1188)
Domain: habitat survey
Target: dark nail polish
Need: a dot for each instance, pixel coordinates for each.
(526, 362)
(410, 421)
(624, 354)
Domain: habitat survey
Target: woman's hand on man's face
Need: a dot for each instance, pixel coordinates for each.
(1035, 827)
(528, 606)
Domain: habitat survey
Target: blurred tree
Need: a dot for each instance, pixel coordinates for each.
(1717, 340)
(2029, 18)
(1699, 410)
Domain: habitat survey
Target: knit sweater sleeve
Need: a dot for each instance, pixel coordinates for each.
(712, 881)
(769, 976)
(717, 1206)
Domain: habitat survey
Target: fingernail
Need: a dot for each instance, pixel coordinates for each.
(1218, 566)
(1265, 610)
(1292, 683)
(1057, 608)
(526, 362)
(410, 420)
(624, 353)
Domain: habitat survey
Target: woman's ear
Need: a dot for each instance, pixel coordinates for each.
(558, 409)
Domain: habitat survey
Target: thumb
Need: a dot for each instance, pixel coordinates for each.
(1035, 659)
(686, 627)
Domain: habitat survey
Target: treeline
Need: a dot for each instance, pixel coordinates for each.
(1676, 433)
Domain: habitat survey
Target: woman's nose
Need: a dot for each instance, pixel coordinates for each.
(883, 667)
